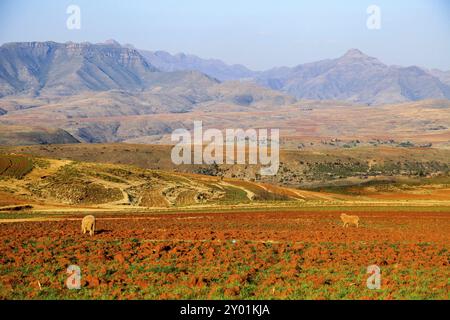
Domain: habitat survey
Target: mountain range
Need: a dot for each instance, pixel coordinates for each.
(354, 77)
(62, 69)
(108, 92)
(93, 91)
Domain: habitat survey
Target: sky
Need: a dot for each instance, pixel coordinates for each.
(259, 34)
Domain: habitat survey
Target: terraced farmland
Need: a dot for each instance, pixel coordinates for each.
(111, 186)
(13, 166)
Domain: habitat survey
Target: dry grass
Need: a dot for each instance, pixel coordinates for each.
(153, 199)
(14, 166)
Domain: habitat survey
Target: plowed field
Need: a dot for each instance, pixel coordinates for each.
(253, 255)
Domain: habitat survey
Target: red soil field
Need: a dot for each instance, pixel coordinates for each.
(252, 255)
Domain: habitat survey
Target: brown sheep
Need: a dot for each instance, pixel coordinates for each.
(88, 224)
(348, 220)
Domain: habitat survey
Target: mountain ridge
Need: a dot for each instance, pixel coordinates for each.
(65, 69)
(354, 76)
(216, 68)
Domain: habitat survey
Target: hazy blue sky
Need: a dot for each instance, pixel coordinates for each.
(257, 33)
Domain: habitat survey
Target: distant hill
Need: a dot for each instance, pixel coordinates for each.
(340, 167)
(444, 76)
(117, 115)
(65, 183)
(358, 78)
(165, 61)
(18, 135)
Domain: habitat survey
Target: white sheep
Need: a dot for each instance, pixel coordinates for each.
(88, 224)
(347, 220)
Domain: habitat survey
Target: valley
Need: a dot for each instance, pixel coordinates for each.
(85, 129)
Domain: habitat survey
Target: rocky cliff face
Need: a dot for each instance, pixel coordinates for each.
(36, 68)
